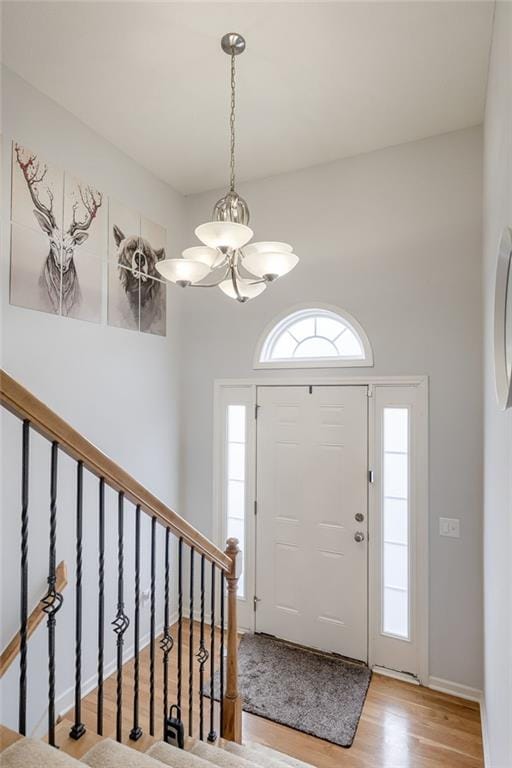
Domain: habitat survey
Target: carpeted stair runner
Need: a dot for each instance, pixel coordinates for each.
(32, 753)
(111, 754)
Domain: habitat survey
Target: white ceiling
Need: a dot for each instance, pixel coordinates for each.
(319, 81)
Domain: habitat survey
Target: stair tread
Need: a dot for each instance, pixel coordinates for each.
(74, 747)
(33, 753)
(110, 754)
(221, 757)
(177, 758)
(143, 744)
(281, 756)
(8, 737)
(260, 758)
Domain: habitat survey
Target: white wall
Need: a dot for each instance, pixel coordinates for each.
(498, 425)
(394, 238)
(118, 387)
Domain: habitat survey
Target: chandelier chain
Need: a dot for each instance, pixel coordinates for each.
(232, 125)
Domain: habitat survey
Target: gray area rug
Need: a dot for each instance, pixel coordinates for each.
(316, 693)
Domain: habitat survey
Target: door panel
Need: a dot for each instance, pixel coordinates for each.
(311, 574)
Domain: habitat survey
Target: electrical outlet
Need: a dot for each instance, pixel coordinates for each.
(449, 526)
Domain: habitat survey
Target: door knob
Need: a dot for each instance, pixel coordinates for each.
(358, 536)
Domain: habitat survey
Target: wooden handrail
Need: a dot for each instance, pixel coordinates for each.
(23, 404)
(35, 618)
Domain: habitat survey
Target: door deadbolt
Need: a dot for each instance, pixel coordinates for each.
(358, 536)
(359, 517)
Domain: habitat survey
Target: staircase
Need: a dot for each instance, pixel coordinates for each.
(186, 571)
(22, 752)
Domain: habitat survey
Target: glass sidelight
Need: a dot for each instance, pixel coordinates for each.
(236, 418)
(395, 519)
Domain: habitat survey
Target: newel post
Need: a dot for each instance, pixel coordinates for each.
(232, 729)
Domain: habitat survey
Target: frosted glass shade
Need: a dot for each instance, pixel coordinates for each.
(182, 271)
(203, 254)
(268, 263)
(223, 234)
(247, 290)
(267, 246)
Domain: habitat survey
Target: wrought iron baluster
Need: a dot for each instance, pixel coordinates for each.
(167, 642)
(212, 735)
(101, 604)
(152, 632)
(191, 644)
(22, 713)
(221, 666)
(121, 622)
(202, 655)
(136, 731)
(53, 599)
(78, 728)
(180, 621)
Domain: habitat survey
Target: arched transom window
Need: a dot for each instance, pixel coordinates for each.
(314, 337)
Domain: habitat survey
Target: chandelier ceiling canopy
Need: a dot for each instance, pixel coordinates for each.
(241, 269)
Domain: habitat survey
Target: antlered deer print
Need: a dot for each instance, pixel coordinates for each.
(59, 280)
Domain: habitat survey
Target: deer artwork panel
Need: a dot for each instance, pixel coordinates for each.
(136, 295)
(62, 233)
(58, 237)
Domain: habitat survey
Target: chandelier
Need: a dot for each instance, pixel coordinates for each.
(242, 270)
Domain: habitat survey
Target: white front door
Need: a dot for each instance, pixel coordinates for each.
(312, 481)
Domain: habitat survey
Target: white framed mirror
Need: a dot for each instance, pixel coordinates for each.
(503, 321)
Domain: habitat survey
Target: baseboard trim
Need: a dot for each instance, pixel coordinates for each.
(455, 689)
(485, 733)
(405, 677)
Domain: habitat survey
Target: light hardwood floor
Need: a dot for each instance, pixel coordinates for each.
(402, 725)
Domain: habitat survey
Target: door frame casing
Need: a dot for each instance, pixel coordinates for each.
(250, 385)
